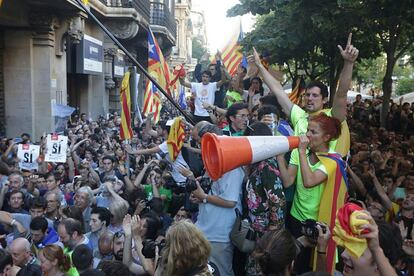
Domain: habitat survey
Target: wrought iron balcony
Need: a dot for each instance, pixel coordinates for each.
(161, 16)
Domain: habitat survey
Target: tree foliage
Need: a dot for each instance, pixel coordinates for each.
(198, 48)
(305, 33)
(404, 86)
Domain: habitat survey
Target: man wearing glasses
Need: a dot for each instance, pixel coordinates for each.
(238, 118)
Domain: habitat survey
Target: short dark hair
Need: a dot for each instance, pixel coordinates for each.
(38, 203)
(82, 257)
(72, 225)
(267, 109)
(109, 157)
(209, 128)
(25, 134)
(92, 272)
(17, 192)
(321, 86)
(47, 175)
(206, 72)
(232, 111)
(258, 129)
(103, 214)
(113, 268)
(39, 223)
(5, 259)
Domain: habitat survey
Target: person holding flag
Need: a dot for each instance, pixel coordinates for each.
(321, 185)
(174, 135)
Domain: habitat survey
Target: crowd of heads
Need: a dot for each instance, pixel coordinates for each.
(118, 207)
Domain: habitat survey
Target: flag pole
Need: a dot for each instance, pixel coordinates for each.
(134, 61)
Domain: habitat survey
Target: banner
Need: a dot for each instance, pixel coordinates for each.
(28, 155)
(56, 147)
(61, 113)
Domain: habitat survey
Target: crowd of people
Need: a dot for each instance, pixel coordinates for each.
(132, 208)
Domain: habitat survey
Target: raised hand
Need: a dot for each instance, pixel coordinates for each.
(371, 230)
(128, 149)
(350, 53)
(255, 57)
(126, 225)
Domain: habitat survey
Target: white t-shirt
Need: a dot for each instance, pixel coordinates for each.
(178, 177)
(203, 93)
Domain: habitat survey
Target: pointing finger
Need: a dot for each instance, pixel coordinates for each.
(349, 39)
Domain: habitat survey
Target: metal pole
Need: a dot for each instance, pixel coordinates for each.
(134, 61)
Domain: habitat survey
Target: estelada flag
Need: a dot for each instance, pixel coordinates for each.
(125, 99)
(296, 95)
(176, 138)
(333, 198)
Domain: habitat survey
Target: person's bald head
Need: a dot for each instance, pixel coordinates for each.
(196, 129)
(20, 251)
(105, 243)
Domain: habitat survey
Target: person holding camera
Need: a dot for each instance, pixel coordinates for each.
(217, 215)
(276, 250)
(148, 244)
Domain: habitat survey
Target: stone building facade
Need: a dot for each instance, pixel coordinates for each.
(51, 52)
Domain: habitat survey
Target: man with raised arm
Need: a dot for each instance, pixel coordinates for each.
(204, 92)
(316, 94)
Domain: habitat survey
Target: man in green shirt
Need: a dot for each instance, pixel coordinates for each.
(316, 94)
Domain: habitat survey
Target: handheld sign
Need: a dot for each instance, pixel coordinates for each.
(56, 146)
(28, 155)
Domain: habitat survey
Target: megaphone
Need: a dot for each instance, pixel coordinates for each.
(223, 153)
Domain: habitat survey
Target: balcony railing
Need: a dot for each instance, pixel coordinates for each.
(161, 16)
(142, 6)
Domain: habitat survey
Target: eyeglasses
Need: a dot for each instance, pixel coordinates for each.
(243, 116)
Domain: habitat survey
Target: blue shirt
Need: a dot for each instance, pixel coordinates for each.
(215, 221)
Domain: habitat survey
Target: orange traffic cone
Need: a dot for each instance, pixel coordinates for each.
(223, 153)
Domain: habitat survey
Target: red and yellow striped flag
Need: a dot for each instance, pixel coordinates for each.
(152, 101)
(333, 198)
(125, 99)
(231, 55)
(176, 138)
(296, 95)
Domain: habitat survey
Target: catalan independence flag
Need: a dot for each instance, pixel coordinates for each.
(296, 95)
(125, 99)
(176, 138)
(333, 198)
(152, 101)
(231, 55)
(158, 69)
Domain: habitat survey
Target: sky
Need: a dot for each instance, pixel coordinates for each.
(219, 27)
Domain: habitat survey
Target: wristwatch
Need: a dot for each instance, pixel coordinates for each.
(205, 199)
